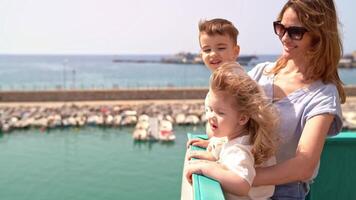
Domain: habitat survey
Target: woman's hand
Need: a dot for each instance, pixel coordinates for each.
(198, 142)
(204, 155)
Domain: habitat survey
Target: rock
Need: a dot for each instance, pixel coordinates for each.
(117, 120)
(40, 123)
(129, 113)
(5, 128)
(72, 121)
(128, 120)
(92, 120)
(192, 119)
(109, 120)
(180, 118)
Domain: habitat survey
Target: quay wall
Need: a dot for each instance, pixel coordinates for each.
(113, 94)
(103, 95)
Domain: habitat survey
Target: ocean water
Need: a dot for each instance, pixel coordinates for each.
(20, 72)
(94, 163)
(89, 164)
(90, 72)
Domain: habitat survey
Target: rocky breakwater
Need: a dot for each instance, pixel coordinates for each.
(75, 115)
(117, 115)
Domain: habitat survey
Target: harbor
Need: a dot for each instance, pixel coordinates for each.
(47, 116)
(50, 115)
(61, 130)
(99, 98)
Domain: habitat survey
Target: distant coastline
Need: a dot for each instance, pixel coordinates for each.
(90, 72)
(347, 61)
(186, 58)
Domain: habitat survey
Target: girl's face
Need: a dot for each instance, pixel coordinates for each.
(294, 49)
(224, 119)
(217, 49)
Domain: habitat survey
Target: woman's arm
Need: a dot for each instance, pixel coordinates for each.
(307, 157)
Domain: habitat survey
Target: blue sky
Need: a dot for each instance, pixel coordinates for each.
(141, 26)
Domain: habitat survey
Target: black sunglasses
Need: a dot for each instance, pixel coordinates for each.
(294, 32)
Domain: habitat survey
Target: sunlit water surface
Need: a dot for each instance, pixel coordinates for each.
(90, 163)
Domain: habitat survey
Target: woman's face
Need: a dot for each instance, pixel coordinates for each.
(294, 49)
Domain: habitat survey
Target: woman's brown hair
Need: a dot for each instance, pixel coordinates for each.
(320, 19)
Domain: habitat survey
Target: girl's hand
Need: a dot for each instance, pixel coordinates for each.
(198, 142)
(204, 155)
(198, 167)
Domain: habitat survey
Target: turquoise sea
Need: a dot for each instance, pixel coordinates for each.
(90, 164)
(43, 72)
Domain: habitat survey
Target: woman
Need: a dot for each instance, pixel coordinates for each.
(305, 87)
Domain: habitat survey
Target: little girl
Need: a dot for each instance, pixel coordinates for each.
(239, 113)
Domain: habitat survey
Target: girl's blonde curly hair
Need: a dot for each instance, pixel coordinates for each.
(252, 102)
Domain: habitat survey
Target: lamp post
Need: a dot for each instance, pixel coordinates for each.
(64, 73)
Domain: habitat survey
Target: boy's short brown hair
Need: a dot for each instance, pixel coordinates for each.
(220, 27)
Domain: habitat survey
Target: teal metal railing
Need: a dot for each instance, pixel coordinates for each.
(336, 178)
(205, 188)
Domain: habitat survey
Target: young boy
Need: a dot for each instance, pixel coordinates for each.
(218, 45)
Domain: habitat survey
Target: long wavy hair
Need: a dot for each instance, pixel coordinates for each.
(320, 19)
(250, 101)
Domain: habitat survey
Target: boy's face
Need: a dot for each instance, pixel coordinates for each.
(217, 49)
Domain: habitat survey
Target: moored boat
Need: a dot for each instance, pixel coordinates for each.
(148, 129)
